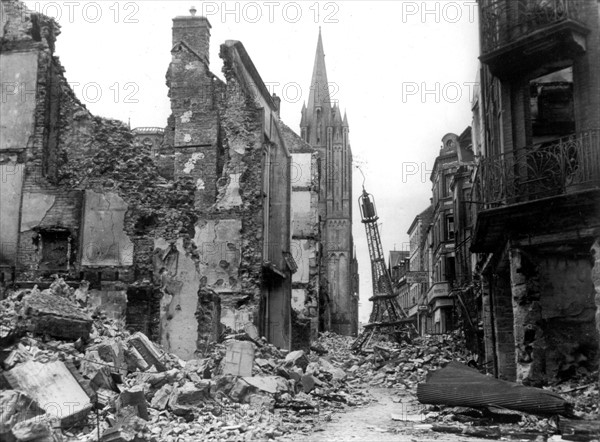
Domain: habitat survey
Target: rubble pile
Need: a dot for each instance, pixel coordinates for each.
(583, 393)
(82, 376)
(390, 364)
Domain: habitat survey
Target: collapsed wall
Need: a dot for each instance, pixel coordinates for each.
(222, 136)
(554, 315)
(68, 207)
(183, 235)
(306, 238)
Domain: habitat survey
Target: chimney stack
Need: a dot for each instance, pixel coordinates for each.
(194, 31)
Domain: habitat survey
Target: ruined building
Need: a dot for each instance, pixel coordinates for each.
(68, 207)
(537, 187)
(306, 239)
(226, 138)
(325, 130)
(188, 230)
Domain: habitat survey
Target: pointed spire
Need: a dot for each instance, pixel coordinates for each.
(337, 117)
(345, 124)
(319, 87)
(303, 115)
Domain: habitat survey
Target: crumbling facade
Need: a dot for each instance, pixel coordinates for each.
(226, 138)
(325, 130)
(536, 186)
(188, 230)
(67, 207)
(306, 239)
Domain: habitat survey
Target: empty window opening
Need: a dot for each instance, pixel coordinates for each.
(56, 250)
(551, 106)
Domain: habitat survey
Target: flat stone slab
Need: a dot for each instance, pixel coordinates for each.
(54, 388)
(56, 316)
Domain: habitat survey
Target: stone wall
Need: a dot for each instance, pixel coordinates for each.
(218, 139)
(80, 213)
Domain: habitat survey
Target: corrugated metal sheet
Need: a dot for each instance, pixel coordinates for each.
(459, 385)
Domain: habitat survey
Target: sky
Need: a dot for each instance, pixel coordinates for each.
(404, 71)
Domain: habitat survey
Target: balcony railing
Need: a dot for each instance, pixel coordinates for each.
(550, 169)
(504, 21)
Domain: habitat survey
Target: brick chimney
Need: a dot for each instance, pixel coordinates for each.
(194, 31)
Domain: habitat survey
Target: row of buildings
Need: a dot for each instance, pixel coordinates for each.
(509, 245)
(224, 217)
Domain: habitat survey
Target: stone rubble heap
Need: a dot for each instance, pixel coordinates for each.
(70, 373)
(131, 390)
(389, 364)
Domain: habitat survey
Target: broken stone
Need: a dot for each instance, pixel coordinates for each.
(112, 352)
(53, 387)
(10, 360)
(135, 361)
(104, 380)
(252, 331)
(47, 313)
(147, 351)
(15, 407)
(308, 383)
(297, 358)
(161, 397)
(269, 384)
(106, 397)
(239, 390)
(133, 399)
(190, 395)
(129, 429)
(38, 429)
(157, 380)
(239, 358)
(261, 401)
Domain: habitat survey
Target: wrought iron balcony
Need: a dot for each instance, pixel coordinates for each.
(518, 35)
(504, 21)
(532, 173)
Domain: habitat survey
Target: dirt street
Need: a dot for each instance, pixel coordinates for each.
(374, 422)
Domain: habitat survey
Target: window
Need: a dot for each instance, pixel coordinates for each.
(55, 250)
(450, 269)
(467, 207)
(551, 105)
(449, 227)
(447, 183)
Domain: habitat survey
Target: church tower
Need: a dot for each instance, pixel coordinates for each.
(323, 126)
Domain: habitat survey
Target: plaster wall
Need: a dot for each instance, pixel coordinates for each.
(105, 242)
(17, 106)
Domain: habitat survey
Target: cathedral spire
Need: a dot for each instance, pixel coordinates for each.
(319, 87)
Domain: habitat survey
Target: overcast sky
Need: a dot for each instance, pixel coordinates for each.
(403, 70)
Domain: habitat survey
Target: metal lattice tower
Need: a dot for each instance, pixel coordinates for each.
(387, 316)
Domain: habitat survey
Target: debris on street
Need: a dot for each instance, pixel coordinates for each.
(117, 386)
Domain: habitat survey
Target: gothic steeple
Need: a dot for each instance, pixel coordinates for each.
(315, 118)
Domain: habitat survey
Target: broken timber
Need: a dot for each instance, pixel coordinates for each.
(459, 385)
